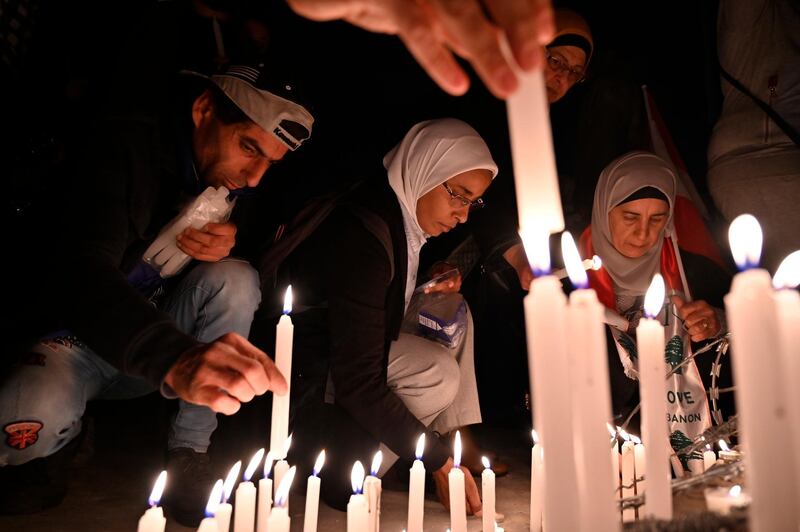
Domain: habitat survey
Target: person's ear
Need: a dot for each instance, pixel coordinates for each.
(202, 108)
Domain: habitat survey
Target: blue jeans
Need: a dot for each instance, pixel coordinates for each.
(44, 397)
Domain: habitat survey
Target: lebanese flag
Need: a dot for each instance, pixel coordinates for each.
(690, 212)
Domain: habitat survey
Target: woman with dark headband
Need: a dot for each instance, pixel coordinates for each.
(568, 54)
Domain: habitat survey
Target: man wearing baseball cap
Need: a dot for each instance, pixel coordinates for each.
(102, 321)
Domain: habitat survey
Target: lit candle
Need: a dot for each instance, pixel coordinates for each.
(153, 519)
(224, 510)
(628, 475)
(244, 518)
(639, 461)
(537, 483)
(312, 495)
(279, 520)
(282, 466)
(458, 502)
(535, 176)
(709, 458)
(760, 400)
(264, 496)
(416, 489)
(594, 264)
(615, 467)
(591, 392)
(487, 491)
(653, 392)
(546, 330)
(372, 490)
(723, 500)
(283, 361)
(209, 524)
(357, 507)
(787, 302)
(726, 454)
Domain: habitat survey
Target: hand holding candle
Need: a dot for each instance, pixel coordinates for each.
(224, 510)
(153, 519)
(279, 520)
(244, 518)
(416, 489)
(312, 495)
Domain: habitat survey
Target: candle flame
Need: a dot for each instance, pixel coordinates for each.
(654, 298)
(572, 261)
(624, 434)
(282, 495)
(286, 446)
(376, 463)
(597, 263)
(636, 439)
(319, 463)
(230, 480)
(457, 451)
(158, 489)
(287, 301)
(745, 238)
(724, 445)
(788, 274)
(254, 461)
(268, 464)
(485, 462)
(537, 248)
(708, 447)
(213, 500)
(357, 478)
(420, 446)
(535, 436)
(735, 491)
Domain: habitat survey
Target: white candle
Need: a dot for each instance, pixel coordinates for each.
(455, 478)
(487, 491)
(312, 495)
(787, 302)
(537, 483)
(726, 454)
(639, 461)
(545, 327)
(282, 466)
(723, 500)
(653, 392)
(279, 520)
(416, 489)
(209, 524)
(153, 519)
(283, 361)
(615, 469)
(244, 518)
(538, 196)
(264, 496)
(628, 475)
(357, 507)
(594, 264)
(372, 490)
(591, 392)
(757, 366)
(709, 458)
(224, 510)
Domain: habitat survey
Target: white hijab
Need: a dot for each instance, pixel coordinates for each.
(431, 153)
(624, 176)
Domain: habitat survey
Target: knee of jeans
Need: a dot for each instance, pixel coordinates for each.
(234, 281)
(30, 436)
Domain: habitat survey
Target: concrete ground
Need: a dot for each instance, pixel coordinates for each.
(111, 482)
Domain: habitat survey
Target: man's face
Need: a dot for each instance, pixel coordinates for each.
(231, 155)
(562, 70)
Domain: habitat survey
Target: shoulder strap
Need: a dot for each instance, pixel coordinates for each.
(778, 119)
(378, 227)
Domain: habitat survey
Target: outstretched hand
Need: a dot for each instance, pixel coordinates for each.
(698, 317)
(473, 498)
(223, 374)
(434, 30)
(516, 257)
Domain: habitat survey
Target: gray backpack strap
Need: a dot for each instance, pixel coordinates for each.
(378, 227)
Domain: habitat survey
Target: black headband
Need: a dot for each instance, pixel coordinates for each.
(645, 193)
(573, 39)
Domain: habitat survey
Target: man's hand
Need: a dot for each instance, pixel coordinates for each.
(470, 488)
(515, 256)
(433, 30)
(699, 319)
(223, 374)
(451, 285)
(211, 243)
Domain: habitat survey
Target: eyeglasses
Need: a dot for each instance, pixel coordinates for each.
(463, 201)
(574, 74)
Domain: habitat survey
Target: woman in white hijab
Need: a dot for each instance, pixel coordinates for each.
(633, 233)
(357, 273)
